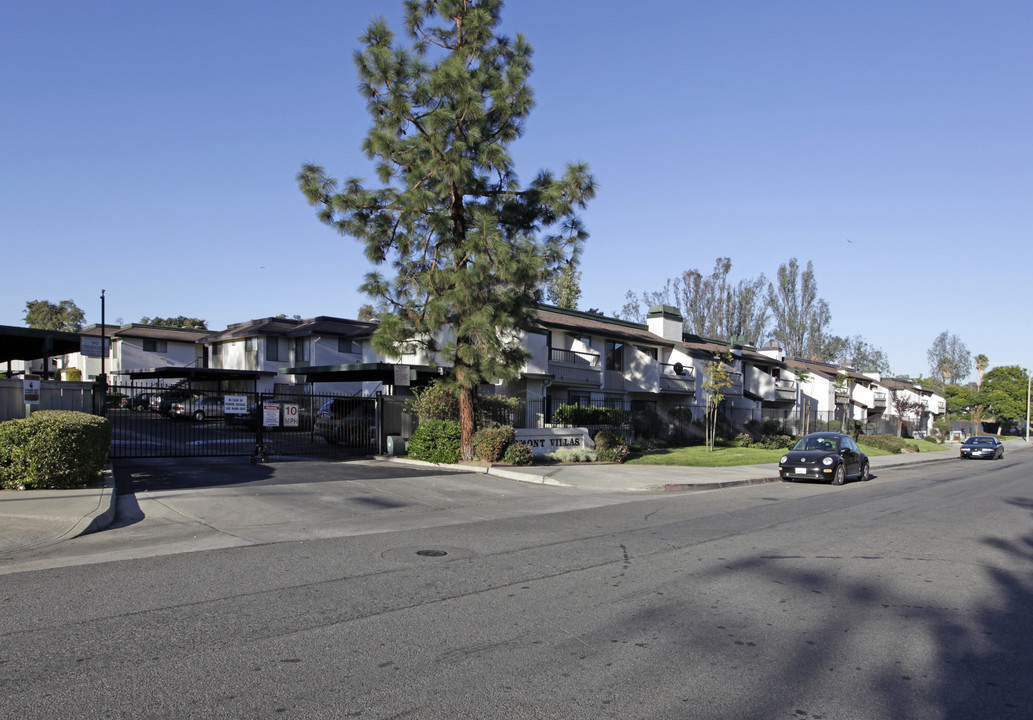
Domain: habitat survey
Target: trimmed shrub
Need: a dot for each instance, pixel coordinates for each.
(576, 415)
(572, 455)
(606, 438)
(612, 453)
(890, 443)
(436, 441)
(490, 443)
(435, 402)
(519, 454)
(53, 449)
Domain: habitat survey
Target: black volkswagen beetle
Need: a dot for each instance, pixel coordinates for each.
(982, 446)
(830, 457)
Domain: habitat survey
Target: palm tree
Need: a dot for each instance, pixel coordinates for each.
(982, 361)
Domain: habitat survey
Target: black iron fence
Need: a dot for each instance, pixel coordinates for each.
(648, 422)
(198, 420)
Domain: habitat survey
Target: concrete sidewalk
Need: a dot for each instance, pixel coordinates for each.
(37, 518)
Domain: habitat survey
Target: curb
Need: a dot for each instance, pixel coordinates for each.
(685, 487)
(105, 512)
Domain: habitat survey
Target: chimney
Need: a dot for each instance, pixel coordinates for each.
(665, 321)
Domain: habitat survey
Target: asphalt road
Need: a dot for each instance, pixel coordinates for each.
(904, 597)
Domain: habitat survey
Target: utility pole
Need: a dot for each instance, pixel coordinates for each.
(1029, 380)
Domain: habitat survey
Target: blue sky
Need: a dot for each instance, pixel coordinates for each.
(149, 148)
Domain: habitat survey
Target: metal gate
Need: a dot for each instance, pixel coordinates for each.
(203, 420)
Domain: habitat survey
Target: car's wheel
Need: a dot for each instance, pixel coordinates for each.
(864, 474)
(198, 416)
(839, 477)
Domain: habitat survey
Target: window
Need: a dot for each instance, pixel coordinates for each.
(216, 350)
(614, 355)
(650, 351)
(250, 344)
(272, 349)
(156, 346)
(300, 350)
(347, 345)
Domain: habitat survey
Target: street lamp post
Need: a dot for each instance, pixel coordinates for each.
(1029, 380)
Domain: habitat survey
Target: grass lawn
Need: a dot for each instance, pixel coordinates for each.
(698, 456)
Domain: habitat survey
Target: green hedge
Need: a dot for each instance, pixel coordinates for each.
(590, 415)
(436, 441)
(889, 443)
(490, 443)
(53, 449)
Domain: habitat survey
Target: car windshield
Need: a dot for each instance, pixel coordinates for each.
(816, 443)
(980, 441)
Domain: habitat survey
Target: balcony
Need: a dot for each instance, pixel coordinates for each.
(785, 390)
(575, 368)
(673, 381)
(879, 400)
(759, 385)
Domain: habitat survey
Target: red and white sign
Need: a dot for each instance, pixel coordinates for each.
(270, 415)
(290, 415)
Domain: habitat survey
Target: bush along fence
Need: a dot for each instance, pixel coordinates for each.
(53, 449)
(646, 422)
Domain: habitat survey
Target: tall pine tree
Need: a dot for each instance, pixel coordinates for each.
(471, 248)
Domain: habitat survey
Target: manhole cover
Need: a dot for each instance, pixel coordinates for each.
(431, 553)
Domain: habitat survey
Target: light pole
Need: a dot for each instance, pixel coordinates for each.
(1029, 379)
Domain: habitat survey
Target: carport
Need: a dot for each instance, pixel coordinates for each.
(392, 407)
(221, 378)
(18, 343)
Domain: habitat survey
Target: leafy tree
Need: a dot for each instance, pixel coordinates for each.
(717, 376)
(564, 288)
(367, 313)
(470, 247)
(45, 315)
(904, 404)
(949, 359)
(1004, 393)
(960, 398)
(800, 316)
(176, 322)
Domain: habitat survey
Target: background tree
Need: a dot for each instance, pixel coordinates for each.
(470, 248)
(949, 355)
(982, 362)
(857, 353)
(45, 315)
(711, 305)
(800, 316)
(176, 322)
(1004, 393)
(564, 289)
(367, 313)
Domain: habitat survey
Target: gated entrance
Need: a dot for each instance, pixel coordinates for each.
(203, 419)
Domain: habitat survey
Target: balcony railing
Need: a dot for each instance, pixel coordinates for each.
(673, 381)
(572, 366)
(785, 389)
(880, 399)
